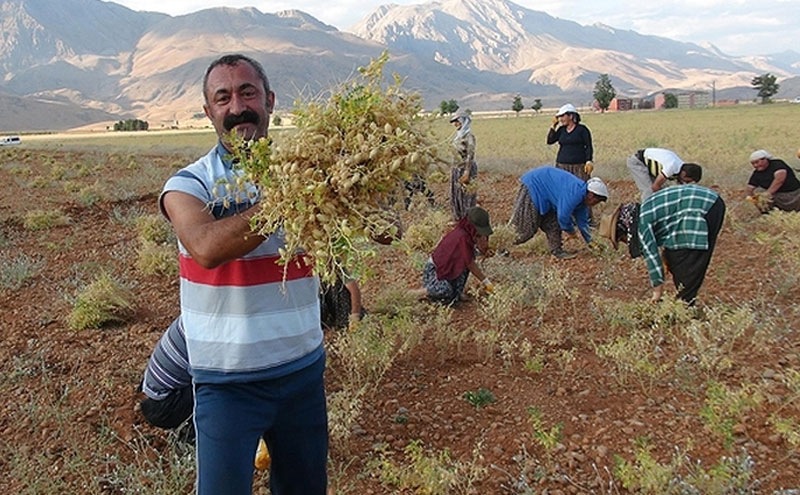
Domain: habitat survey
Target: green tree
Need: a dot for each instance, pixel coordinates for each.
(131, 125)
(447, 107)
(604, 92)
(670, 100)
(537, 105)
(517, 105)
(766, 85)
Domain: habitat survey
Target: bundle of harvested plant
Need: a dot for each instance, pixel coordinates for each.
(331, 184)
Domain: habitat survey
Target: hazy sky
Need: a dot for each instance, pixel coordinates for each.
(737, 27)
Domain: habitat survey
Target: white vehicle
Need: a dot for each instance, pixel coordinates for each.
(796, 99)
(9, 140)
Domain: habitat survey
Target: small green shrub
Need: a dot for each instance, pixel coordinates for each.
(154, 229)
(724, 408)
(547, 438)
(45, 219)
(479, 398)
(157, 259)
(681, 475)
(429, 472)
(103, 301)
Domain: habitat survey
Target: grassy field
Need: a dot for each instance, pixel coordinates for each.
(720, 139)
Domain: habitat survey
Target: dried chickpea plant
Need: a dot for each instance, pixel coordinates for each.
(330, 183)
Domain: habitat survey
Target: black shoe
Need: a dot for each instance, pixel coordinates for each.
(563, 254)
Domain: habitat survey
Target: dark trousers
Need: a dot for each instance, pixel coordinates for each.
(688, 266)
(289, 412)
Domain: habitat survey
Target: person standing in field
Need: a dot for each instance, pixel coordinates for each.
(774, 181)
(253, 332)
(575, 150)
(465, 168)
(684, 221)
(651, 168)
(554, 200)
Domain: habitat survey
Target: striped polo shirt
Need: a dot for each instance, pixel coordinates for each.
(251, 318)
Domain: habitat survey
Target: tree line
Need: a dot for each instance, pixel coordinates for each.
(604, 93)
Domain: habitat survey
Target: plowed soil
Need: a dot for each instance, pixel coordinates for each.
(91, 375)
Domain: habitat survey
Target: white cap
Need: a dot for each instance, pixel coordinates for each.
(568, 108)
(597, 186)
(759, 154)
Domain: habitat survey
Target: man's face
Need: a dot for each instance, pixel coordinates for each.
(237, 101)
(760, 164)
(482, 242)
(684, 179)
(593, 199)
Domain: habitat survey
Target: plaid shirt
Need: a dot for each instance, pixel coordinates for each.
(673, 218)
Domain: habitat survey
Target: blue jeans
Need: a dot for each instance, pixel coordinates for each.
(290, 412)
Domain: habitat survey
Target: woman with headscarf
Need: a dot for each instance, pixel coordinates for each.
(465, 169)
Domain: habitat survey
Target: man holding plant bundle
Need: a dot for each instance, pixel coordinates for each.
(685, 221)
(252, 327)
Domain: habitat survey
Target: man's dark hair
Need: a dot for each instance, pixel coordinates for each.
(233, 59)
(692, 171)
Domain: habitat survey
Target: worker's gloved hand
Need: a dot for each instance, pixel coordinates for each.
(555, 122)
(464, 179)
(588, 168)
(488, 286)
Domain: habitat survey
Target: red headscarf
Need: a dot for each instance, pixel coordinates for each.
(455, 251)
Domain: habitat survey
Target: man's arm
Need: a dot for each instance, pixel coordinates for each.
(778, 178)
(658, 183)
(211, 242)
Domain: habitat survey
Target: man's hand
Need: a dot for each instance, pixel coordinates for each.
(488, 286)
(588, 168)
(354, 321)
(657, 292)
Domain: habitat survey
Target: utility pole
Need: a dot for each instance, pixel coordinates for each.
(713, 93)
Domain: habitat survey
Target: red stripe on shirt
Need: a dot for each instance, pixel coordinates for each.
(245, 272)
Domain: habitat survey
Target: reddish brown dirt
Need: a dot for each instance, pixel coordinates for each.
(91, 375)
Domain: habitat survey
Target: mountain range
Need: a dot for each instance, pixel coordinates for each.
(72, 63)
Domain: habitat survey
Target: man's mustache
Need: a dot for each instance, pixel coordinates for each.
(246, 117)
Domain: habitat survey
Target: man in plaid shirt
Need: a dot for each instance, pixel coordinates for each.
(685, 221)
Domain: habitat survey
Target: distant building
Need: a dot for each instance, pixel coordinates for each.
(693, 99)
(686, 99)
(620, 105)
